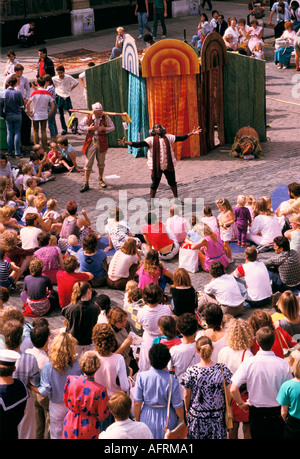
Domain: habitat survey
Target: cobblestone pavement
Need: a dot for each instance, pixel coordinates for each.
(208, 177)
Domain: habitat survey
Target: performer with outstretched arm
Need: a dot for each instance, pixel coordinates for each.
(161, 157)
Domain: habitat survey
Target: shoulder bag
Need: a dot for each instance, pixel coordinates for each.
(228, 410)
(180, 432)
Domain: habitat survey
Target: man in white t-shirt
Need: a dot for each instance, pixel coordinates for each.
(39, 101)
(223, 290)
(253, 279)
(264, 374)
(124, 428)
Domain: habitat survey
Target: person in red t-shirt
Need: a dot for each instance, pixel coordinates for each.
(67, 277)
(157, 237)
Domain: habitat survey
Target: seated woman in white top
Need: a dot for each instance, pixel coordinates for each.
(234, 31)
(265, 226)
(123, 265)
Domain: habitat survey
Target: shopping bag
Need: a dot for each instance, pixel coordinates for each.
(188, 258)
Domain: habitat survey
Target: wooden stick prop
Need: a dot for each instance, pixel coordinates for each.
(125, 116)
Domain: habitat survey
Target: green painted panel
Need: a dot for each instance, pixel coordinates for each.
(107, 83)
(244, 95)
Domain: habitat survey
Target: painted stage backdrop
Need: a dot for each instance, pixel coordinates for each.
(169, 84)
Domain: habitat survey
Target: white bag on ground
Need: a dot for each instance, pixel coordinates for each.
(188, 258)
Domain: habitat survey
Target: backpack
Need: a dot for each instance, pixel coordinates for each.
(73, 124)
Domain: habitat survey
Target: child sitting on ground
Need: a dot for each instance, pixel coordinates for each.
(54, 156)
(16, 203)
(32, 187)
(73, 247)
(242, 220)
(129, 285)
(152, 270)
(51, 211)
(184, 297)
(168, 330)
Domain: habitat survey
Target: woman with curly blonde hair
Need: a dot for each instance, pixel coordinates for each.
(239, 339)
(62, 363)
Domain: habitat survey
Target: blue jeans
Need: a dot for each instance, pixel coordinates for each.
(13, 126)
(143, 22)
(159, 16)
(52, 123)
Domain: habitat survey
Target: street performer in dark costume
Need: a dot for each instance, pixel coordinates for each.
(161, 157)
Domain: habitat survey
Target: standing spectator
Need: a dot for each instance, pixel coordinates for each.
(204, 395)
(10, 65)
(82, 80)
(22, 84)
(13, 396)
(253, 279)
(284, 266)
(39, 338)
(62, 363)
(13, 104)
(86, 401)
(81, 315)
(64, 85)
(40, 100)
(148, 317)
(239, 339)
(151, 394)
(45, 64)
(27, 370)
(242, 219)
(67, 277)
(184, 355)
(142, 13)
(159, 14)
(288, 397)
(51, 117)
(283, 15)
(264, 410)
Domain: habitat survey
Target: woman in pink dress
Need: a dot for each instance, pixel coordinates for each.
(210, 247)
(86, 401)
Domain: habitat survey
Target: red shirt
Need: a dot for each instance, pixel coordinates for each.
(42, 70)
(65, 282)
(277, 349)
(157, 235)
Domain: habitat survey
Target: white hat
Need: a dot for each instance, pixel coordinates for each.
(8, 357)
(97, 106)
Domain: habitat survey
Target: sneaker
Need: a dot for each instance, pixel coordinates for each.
(284, 67)
(63, 132)
(140, 36)
(164, 36)
(102, 184)
(84, 188)
(51, 178)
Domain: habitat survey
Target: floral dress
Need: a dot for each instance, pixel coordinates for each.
(206, 416)
(86, 401)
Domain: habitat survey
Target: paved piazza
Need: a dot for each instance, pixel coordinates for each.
(209, 177)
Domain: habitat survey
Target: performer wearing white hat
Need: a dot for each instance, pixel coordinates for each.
(13, 395)
(97, 126)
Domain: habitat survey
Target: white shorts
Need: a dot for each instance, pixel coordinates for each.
(226, 234)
